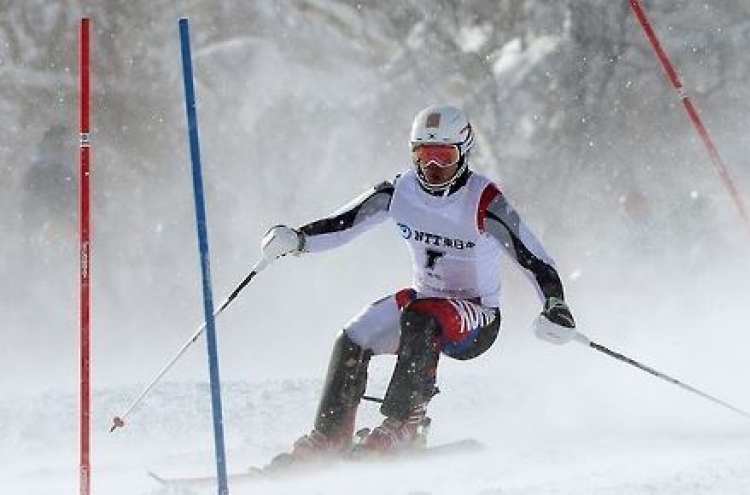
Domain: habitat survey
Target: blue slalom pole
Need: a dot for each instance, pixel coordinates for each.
(200, 215)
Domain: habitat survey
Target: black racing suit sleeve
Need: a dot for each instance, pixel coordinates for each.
(504, 223)
(358, 216)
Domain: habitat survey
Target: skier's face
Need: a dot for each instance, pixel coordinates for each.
(435, 174)
(437, 162)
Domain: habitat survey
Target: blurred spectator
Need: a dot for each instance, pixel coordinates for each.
(637, 215)
(49, 206)
(636, 205)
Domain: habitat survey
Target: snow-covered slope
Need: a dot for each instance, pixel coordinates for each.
(591, 438)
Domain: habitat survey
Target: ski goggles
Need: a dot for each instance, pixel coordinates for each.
(442, 155)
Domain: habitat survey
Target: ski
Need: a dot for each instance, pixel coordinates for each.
(279, 469)
(465, 445)
(454, 447)
(252, 474)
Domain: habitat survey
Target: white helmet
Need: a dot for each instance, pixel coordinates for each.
(442, 124)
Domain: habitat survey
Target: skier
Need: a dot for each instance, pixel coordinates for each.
(456, 224)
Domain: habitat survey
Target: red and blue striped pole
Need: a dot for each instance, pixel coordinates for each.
(692, 111)
(85, 265)
(200, 215)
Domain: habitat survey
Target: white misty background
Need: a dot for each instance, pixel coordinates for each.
(304, 104)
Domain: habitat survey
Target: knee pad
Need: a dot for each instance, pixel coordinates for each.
(345, 384)
(349, 363)
(412, 384)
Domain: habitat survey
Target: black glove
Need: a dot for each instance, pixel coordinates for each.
(556, 311)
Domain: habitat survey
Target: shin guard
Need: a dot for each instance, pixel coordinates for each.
(345, 384)
(413, 382)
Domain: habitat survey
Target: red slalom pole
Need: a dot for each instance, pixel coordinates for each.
(85, 260)
(692, 111)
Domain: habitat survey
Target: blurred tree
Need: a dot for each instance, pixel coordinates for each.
(571, 105)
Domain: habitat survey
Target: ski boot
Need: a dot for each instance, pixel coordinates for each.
(393, 436)
(315, 447)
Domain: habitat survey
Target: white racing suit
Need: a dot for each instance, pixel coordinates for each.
(456, 243)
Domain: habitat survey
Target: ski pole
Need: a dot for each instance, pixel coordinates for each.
(581, 338)
(119, 421)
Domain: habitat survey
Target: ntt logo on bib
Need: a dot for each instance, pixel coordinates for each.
(433, 239)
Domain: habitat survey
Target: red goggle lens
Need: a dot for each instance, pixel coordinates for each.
(442, 155)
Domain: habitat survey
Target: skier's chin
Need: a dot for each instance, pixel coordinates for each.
(435, 180)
